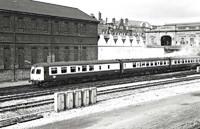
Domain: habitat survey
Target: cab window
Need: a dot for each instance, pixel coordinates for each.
(38, 71)
(33, 71)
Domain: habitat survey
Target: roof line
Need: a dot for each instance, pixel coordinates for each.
(53, 4)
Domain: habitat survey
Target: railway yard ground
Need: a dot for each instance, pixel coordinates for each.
(168, 106)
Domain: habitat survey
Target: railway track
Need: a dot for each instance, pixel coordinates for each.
(50, 101)
(50, 91)
(99, 92)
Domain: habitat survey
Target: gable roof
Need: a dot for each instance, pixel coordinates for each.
(35, 7)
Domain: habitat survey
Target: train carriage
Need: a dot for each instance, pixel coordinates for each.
(145, 66)
(184, 63)
(58, 72)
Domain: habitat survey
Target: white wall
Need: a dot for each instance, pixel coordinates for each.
(126, 50)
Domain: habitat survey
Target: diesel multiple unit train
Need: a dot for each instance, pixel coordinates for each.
(68, 72)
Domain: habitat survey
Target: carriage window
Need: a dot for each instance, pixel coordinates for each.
(124, 65)
(151, 63)
(79, 69)
(73, 69)
(161, 63)
(99, 67)
(138, 64)
(63, 69)
(143, 64)
(108, 66)
(38, 71)
(158, 62)
(147, 64)
(155, 63)
(178, 61)
(84, 68)
(175, 62)
(91, 67)
(134, 64)
(33, 71)
(54, 71)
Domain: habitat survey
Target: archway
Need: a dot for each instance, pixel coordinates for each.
(166, 41)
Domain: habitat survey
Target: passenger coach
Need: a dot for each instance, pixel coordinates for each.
(68, 72)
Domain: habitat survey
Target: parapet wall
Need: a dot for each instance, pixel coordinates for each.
(125, 47)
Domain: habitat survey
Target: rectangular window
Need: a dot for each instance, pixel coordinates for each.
(91, 67)
(63, 69)
(143, 64)
(38, 71)
(151, 63)
(20, 23)
(54, 71)
(33, 24)
(33, 55)
(6, 58)
(84, 68)
(21, 58)
(45, 25)
(134, 65)
(66, 28)
(99, 67)
(147, 64)
(6, 22)
(108, 66)
(67, 54)
(75, 53)
(73, 69)
(33, 71)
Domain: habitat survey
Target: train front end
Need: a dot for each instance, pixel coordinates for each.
(37, 75)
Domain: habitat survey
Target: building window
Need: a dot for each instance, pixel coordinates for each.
(6, 58)
(75, 28)
(33, 24)
(6, 22)
(66, 53)
(45, 54)
(33, 55)
(21, 58)
(20, 23)
(56, 27)
(45, 25)
(66, 28)
(75, 53)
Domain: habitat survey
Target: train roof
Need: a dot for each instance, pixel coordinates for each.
(145, 59)
(46, 64)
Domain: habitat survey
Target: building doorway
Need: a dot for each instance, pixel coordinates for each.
(166, 41)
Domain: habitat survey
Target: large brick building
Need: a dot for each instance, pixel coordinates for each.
(33, 32)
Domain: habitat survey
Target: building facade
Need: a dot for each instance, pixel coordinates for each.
(174, 36)
(32, 32)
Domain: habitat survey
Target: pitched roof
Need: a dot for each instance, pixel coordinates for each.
(35, 7)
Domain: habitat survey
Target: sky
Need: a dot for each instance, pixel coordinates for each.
(156, 12)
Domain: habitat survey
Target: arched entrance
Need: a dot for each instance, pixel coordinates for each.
(166, 41)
